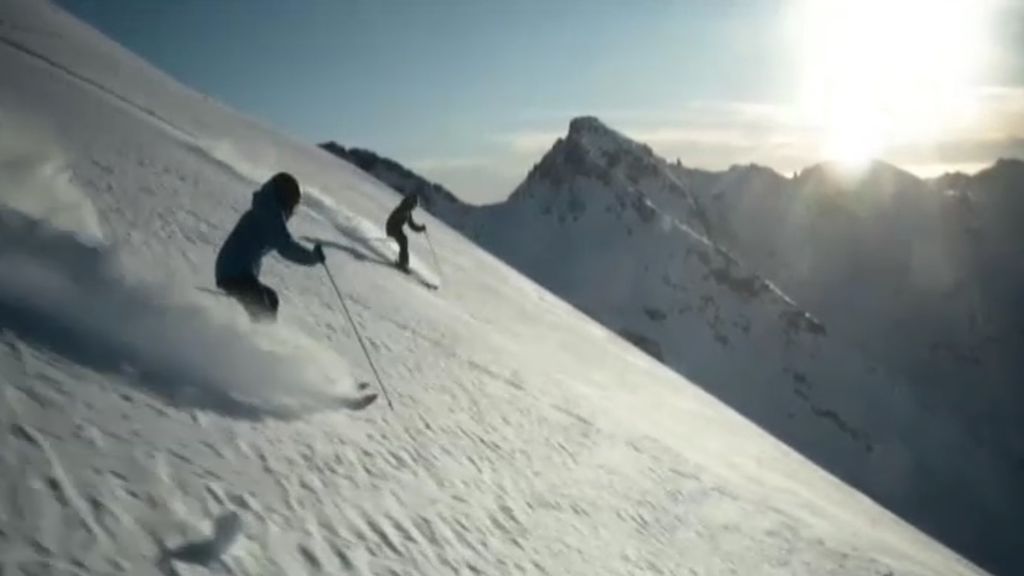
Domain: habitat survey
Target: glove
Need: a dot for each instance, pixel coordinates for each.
(318, 250)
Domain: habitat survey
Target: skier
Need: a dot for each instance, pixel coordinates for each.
(261, 229)
(396, 221)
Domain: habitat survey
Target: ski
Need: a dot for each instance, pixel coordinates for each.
(414, 276)
(359, 403)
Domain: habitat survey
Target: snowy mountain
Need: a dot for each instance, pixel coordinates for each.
(148, 428)
(639, 244)
(938, 266)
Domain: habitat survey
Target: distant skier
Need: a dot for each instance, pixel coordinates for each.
(261, 229)
(399, 217)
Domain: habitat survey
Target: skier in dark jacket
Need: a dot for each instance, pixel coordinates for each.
(261, 229)
(399, 217)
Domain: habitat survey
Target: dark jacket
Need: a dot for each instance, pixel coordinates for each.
(401, 216)
(261, 229)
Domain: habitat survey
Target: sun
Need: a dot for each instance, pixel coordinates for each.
(853, 137)
(878, 74)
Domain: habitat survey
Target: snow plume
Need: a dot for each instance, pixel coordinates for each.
(37, 181)
(75, 299)
(372, 243)
(236, 161)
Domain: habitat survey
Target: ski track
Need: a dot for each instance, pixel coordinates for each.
(525, 439)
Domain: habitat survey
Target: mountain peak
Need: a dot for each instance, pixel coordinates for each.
(583, 125)
(877, 174)
(593, 150)
(1005, 174)
(590, 133)
(1008, 164)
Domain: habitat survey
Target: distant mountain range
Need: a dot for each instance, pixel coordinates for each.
(873, 322)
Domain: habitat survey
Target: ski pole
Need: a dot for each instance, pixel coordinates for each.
(358, 336)
(437, 264)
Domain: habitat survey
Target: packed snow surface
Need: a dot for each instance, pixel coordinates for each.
(147, 428)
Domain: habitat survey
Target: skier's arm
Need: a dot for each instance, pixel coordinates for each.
(289, 249)
(415, 226)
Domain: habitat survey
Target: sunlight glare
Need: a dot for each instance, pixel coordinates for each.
(878, 73)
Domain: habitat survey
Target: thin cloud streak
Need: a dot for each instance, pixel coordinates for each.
(716, 135)
(452, 163)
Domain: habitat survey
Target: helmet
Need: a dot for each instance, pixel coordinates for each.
(286, 189)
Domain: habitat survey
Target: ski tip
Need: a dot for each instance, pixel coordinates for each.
(360, 403)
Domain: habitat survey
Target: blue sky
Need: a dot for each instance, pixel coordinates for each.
(472, 92)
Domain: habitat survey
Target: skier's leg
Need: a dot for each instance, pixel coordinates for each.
(259, 301)
(269, 304)
(403, 249)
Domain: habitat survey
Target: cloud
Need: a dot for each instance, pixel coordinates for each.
(733, 127)
(981, 150)
(563, 115)
(997, 131)
(717, 134)
(449, 163)
(476, 179)
(530, 141)
(1002, 108)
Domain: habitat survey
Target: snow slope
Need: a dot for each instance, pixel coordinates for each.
(148, 429)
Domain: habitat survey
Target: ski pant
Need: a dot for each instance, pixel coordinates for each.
(403, 246)
(259, 300)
